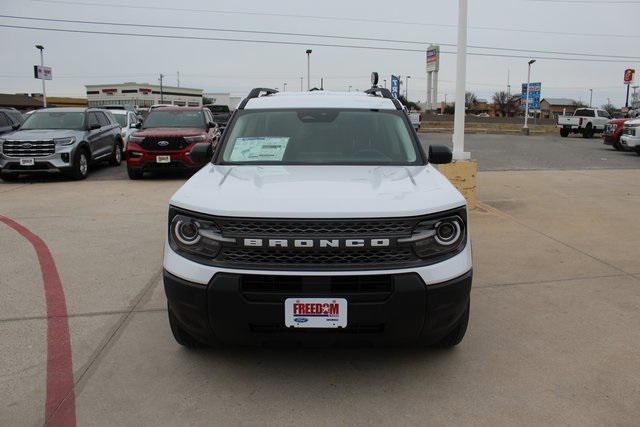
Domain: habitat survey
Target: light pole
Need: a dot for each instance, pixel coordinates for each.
(301, 80)
(461, 78)
(525, 130)
(385, 83)
(309, 69)
(349, 88)
(284, 85)
(590, 97)
(44, 91)
(406, 89)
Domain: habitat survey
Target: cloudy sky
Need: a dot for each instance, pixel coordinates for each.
(603, 27)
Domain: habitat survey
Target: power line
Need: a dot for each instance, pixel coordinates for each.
(234, 30)
(332, 18)
(276, 42)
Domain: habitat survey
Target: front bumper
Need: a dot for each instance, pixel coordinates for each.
(140, 158)
(425, 302)
(406, 311)
(630, 142)
(57, 162)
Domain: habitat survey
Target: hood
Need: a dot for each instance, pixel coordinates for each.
(633, 122)
(317, 191)
(41, 134)
(169, 132)
(618, 121)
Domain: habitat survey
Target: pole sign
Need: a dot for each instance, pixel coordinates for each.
(628, 76)
(42, 73)
(433, 58)
(535, 89)
(395, 86)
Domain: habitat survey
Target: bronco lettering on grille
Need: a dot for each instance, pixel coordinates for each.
(316, 243)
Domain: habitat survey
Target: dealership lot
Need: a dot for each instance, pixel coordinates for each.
(553, 336)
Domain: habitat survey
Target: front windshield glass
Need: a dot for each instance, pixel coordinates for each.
(320, 136)
(54, 120)
(121, 119)
(174, 119)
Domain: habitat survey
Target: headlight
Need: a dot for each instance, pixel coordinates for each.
(195, 237)
(438, 237)
(65, 141)
(136, 139)
(197, 138)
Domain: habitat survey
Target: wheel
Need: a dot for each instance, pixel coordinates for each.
(134, 173)
(564, 133)
(588, 131)
(617, 146)
(457, 334)
(180, 335)
(116, 156)
(80, 167)
(9, 177)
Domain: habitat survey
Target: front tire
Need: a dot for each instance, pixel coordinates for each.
(116, 156)
(80, 167)
(617, 146)
(457, 334)
(134, 173)
(564, 133)
(588, 131)
(180, 335)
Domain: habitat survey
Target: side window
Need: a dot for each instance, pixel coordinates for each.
(4, 120)
(102, 119)
(92, 119)
(579, 113)
(603, 113)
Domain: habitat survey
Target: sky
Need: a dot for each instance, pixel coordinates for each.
(603, 27)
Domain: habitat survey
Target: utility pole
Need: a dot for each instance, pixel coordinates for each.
(525, 129)
(385, 83)
(178, 73)
(590, 98)
(349, 88)
(44, 91)
(309, 69)
(161, 91)
(322, 83)
(508, 81)
(301, 80)
(406, 89)
(461, 78)
(284, 85)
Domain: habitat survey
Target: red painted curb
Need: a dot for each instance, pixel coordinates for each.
(60, 409)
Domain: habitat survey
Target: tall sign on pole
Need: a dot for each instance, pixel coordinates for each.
(629, 74)
(433, 66)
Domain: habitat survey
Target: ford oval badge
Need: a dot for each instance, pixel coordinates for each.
(163, 143)
(300, 319)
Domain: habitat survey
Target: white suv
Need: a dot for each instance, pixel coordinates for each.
(319, 219)
(630, 138)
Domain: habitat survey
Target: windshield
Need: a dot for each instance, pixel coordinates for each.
(54, 120)
(174, 119)
(121, 119)
(319, 137)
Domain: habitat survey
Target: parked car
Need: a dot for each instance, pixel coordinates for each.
(319, 219)
(166, 137)
(61, 140)
(128, 122)
(415, 117)
(613, 131)
(10, 120)
(221, 114)
(630, 139)
(586, 121)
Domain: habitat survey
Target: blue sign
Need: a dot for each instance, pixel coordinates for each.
(395, 86)
(535, 89)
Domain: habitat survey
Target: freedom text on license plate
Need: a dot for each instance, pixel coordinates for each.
(315, 313)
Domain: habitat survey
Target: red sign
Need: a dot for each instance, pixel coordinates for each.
(144, 91)
(628, 75)
(109, 91)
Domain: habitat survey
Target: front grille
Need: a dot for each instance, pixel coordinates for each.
(267, 288)
(322, 228)
(28, 148)
(173, 143)
(630, 131)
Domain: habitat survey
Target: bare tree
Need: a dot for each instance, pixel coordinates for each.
(506, 104)
(470, 100)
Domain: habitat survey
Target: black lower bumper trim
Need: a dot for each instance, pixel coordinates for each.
(383, 309)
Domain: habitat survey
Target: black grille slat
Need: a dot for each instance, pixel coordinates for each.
(174, 143)
(36, 149)
(321, 228)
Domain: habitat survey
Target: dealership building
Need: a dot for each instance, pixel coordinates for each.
(142, 95)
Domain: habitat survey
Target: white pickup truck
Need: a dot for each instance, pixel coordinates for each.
(586, 121)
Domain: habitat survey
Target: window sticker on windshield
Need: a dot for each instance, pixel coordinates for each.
(257, 149)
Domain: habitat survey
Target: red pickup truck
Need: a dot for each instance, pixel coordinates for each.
(613, 132)
(166, 137)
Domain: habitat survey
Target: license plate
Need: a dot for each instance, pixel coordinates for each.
(315, 313)
(163, 159)
(27, 162)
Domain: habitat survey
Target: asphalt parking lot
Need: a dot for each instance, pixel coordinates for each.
(553, 337)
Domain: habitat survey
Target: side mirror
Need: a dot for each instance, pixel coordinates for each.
(94, 126)
(440, 154)
(135, 125)
(201, 152)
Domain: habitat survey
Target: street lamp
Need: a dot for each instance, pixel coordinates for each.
(301, 80)
(44, 92)
(284, 85)
(525, 130)
(385, 83)
(309, 69)
(590, 97)
(349, 88)
(406, 88)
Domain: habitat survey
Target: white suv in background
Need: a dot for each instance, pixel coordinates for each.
(630, 138)
(318, 219)
(127, 121)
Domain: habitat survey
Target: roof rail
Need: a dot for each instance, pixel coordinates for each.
(255, 93)
(385, 93)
